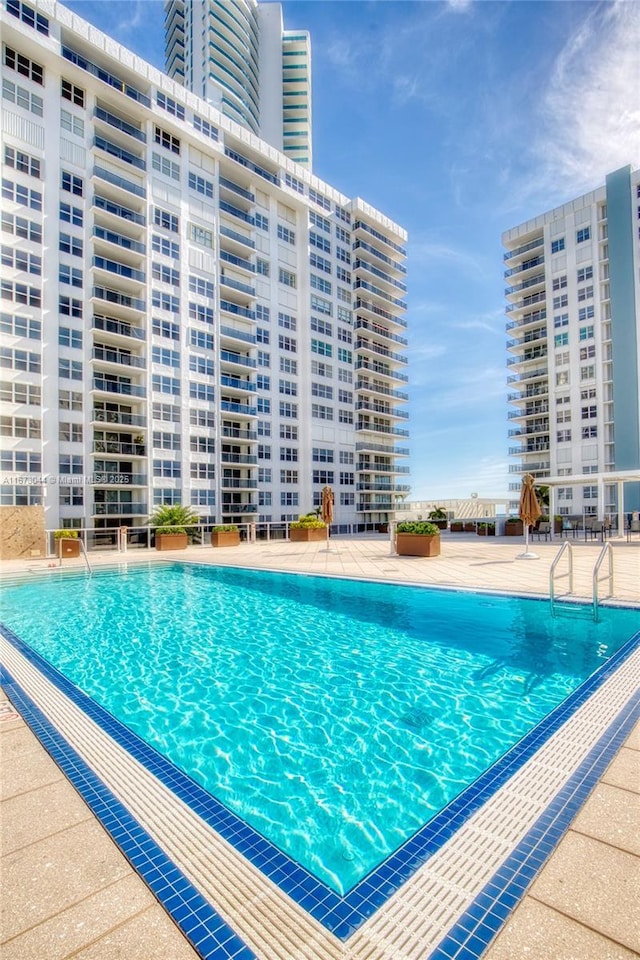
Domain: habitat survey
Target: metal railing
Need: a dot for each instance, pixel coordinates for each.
(607, 551)
(565, 548)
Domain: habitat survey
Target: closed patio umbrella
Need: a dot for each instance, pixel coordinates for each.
(327, 505)
(529, 512)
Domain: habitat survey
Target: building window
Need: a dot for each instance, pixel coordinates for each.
(22, 65)
(162, 218)
(284, 233)
(262, 223)
(69, 91)
(72, 183)
(166, 140)
(204, 238)
(200, 185)
(583, 234)
(14, 93)
(557, 245)
(22, 161)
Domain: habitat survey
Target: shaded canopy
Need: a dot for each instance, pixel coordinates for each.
(529, 510)
(327, 504)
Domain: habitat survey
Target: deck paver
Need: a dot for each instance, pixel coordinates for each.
(73, 894)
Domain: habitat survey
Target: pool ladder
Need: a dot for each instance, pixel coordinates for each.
(605, 553)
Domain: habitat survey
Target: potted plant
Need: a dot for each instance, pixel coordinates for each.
(417, 538)
(307, 529)
(486, 529)
(513, 527)
(439, 517)
(67, 543)
(469, 527)
(456, 526)
(225, 535)
(172, 522)
(138, 442)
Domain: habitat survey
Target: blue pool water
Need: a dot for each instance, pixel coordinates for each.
(334, 716)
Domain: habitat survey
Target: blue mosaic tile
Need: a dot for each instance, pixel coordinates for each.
(343, 915)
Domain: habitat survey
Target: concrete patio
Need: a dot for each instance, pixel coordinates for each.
(68, 892)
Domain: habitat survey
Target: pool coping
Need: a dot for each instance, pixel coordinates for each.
(343, 917)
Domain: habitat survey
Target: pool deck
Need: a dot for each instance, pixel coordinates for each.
(69, 892)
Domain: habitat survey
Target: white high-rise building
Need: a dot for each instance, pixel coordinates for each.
(187, 315)
(574, 349)
(238, 57)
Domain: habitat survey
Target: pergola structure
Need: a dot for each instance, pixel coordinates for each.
(617, 478)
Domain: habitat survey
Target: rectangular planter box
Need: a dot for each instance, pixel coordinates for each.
(307, 536)
(171, 541)
(68, 547)
(486, 532)
(417, 545)
(225, 538)
(456, 528)
(514, 529)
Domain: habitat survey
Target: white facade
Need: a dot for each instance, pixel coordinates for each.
(574, 344)
(187, 315)
(239, 58)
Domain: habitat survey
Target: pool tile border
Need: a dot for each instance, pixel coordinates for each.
(342, 916)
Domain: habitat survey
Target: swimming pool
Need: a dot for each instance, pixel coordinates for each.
(336, 717)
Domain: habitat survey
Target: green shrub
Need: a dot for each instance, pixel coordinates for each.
(65, 534)
(307, 522)
(173, 518)
(422, 527)
(225, 528)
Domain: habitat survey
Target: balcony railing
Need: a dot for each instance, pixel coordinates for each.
(236, 212)
(237, 261)
(229, 406)
(114, 296)
(380, 331)
(365, 265)
(236, 334)
(120, 509)
(361, 225)
(101, 203)
(120, 182)
(229, 357)
(242, 458)
(105, 76)
(101, 114)
(380, 448)
(532, 245)
(120, 269)
(362, 344)
(381, 428)
(238, 237)
(238, 483)
(361, 304)
(116, 356)
(114, 386)
(369, 387)
(111, 325)
(234, 308)
(119, 448)
(119, 240)
(236, 383)
(236, 188)
(112, 416)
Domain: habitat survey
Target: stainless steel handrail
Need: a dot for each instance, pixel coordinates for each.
(566, 546)
(607, 551)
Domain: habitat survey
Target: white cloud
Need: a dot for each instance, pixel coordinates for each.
(591, 108)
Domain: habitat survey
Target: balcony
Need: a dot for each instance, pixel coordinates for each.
(120, 509)
(119, 124)
(524, 266)
(524, 248)
(381, 370)
(238, 311)
(382, 410)
(237, 261)
(384, 486)
(235, 383)
(527, 319)
(370, 446)
(109, 78)
(538, 374)
(233, 432)
(525, 285)
(119, 448)
(367, 306)
(115, 478)
(230, 509)
(118, 299)
(122, 387)
(362, 245)
(364, 466)
(236, 212)
(119, 240)
(236, 237)
(244, 288)
(112, 416)
(238, 483)
(383, 506)
(119, 269)
(241, 409)
(379, 331)
(363, 285)
(380, 274)
(114, 150)
(121, 183)
(235, 188)
(117, 210)
(379, 388)
(226, 356)
(527, 302)
(240, 458)
(362, 344)
(381, 428)
(232, 333)
(359, 226)
(117, 328)
(118, 357)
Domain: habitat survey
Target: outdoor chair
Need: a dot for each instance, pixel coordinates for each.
(542, 530)
(633, 527)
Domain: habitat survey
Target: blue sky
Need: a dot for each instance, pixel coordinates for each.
(458, 120)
